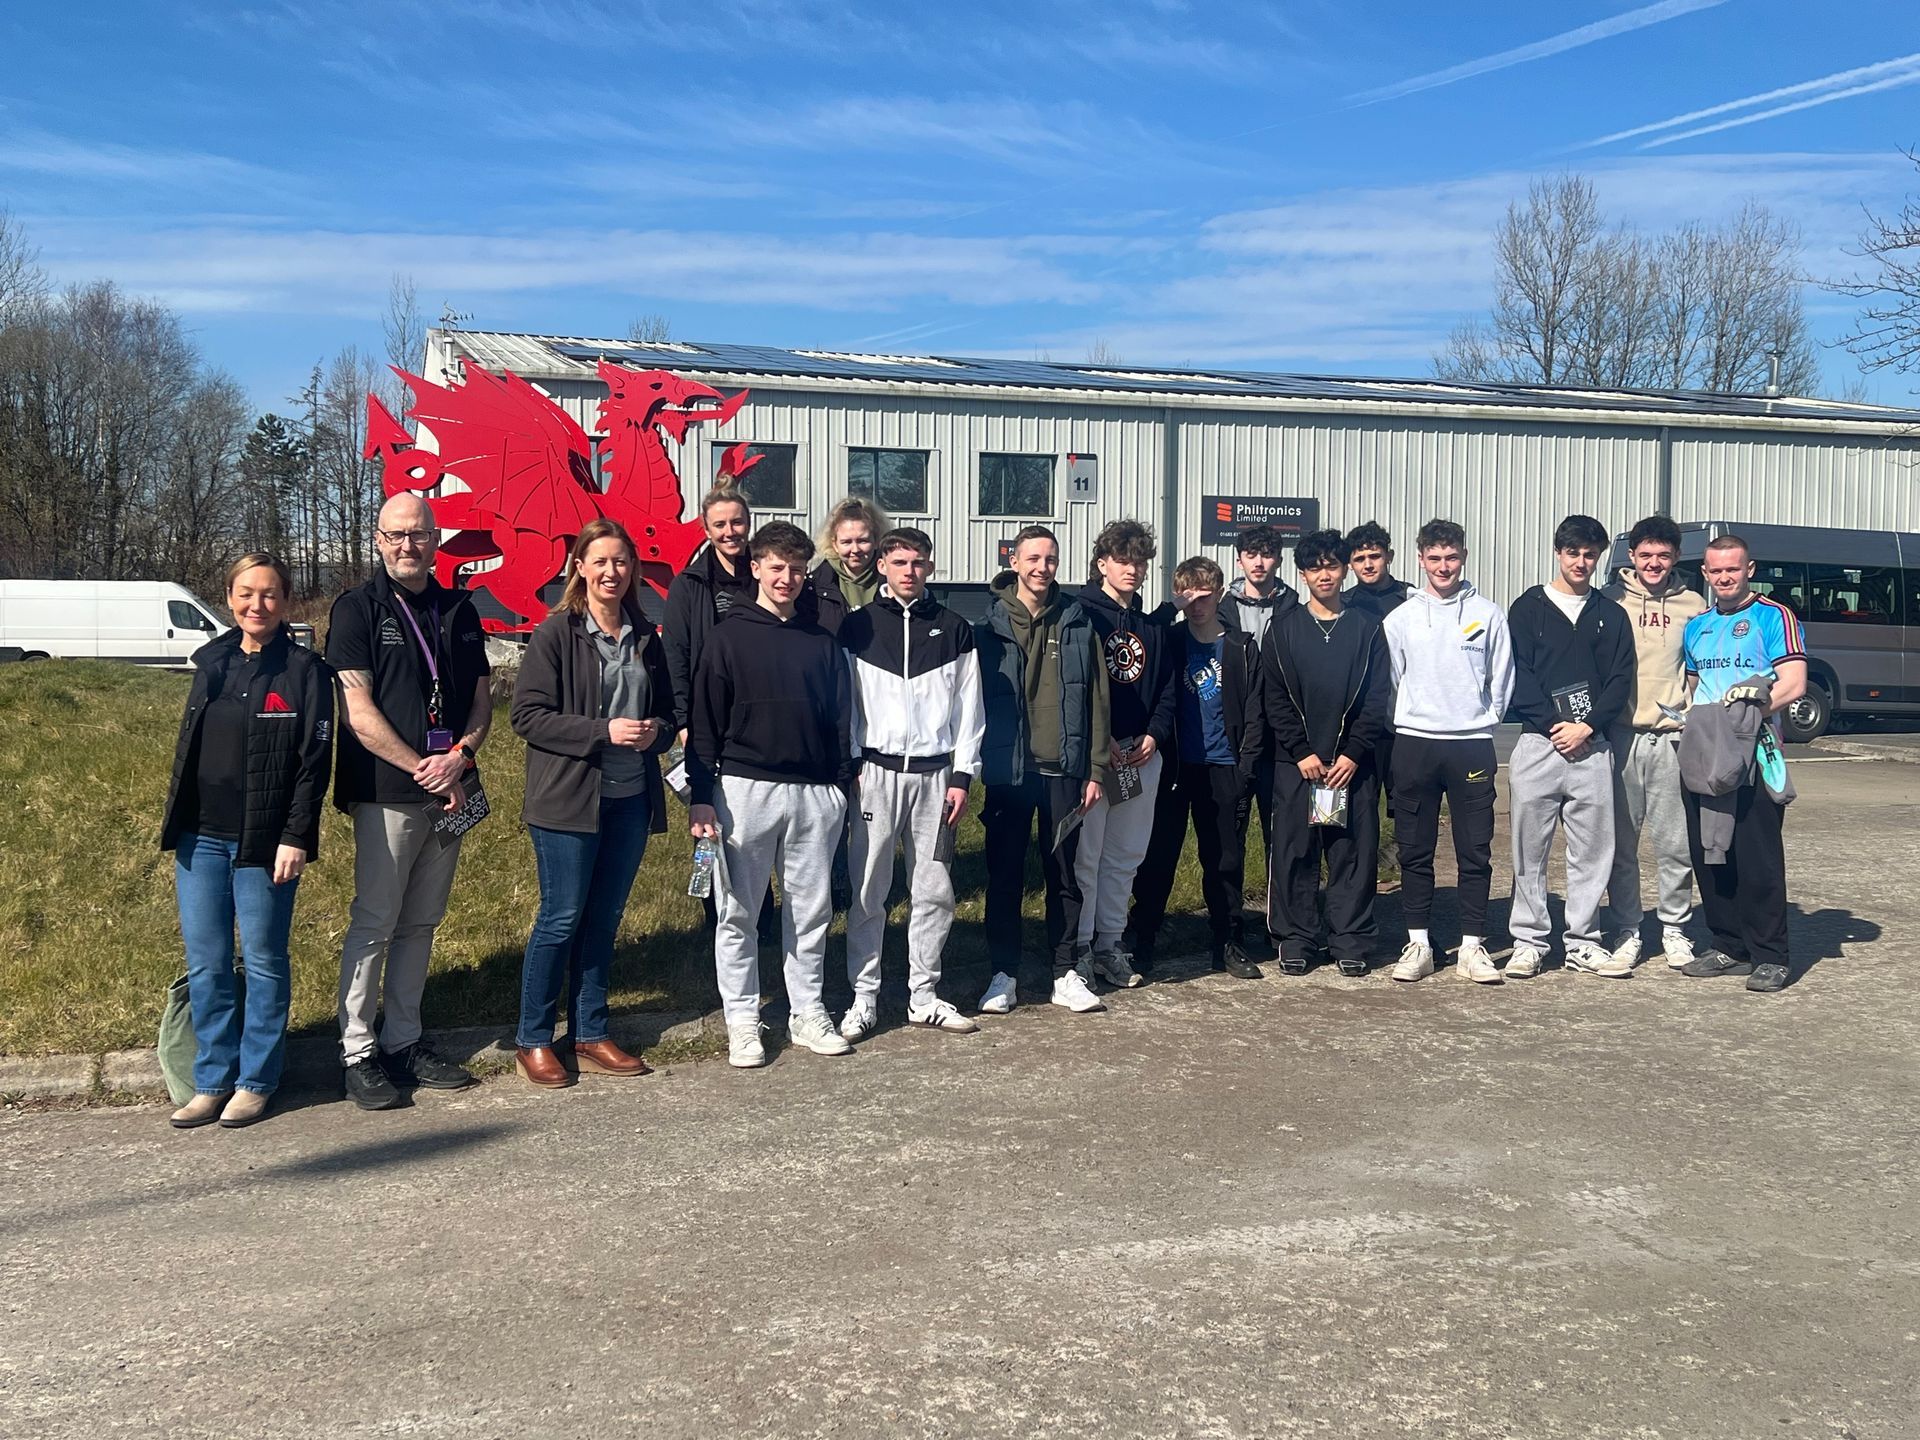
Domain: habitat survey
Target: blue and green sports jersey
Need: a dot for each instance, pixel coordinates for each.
(1725, 647)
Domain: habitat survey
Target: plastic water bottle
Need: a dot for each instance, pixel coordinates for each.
(705, 854)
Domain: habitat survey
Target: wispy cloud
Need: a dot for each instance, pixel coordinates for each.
(1566, 40)
(41, 152)
(1841, 85)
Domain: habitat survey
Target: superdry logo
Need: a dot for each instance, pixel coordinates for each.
(1126, 657)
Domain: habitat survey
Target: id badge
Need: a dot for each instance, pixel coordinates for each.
(439, 741)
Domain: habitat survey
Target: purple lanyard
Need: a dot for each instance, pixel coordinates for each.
(433, 664)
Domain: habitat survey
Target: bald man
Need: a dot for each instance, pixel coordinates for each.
(413, 682)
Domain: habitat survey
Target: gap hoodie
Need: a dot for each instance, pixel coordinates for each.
(1452, 664)
(772, 700)
(1659, 643)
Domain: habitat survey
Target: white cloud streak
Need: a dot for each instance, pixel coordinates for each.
(1838, 86)
(1567, 40)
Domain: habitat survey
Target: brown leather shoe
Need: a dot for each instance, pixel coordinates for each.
(541, 1066)
(603, 1057)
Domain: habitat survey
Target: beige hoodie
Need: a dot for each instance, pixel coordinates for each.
(1659, 629)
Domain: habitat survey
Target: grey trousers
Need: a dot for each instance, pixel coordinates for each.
(769, 827)
(402, 876)
(1113, 842)
(1647, 800)
(1548, 791)
(893, 807)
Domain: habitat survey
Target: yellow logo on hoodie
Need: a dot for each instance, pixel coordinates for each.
(1472, 631)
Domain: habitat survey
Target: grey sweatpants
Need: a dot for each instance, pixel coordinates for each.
(1113, 842)
(1548, 791)
(894, 807)
(769, 827)
(1647, 799)
(402, 877)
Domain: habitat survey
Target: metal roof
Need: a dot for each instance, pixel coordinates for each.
(568, 357)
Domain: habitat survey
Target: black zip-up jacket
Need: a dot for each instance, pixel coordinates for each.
(1293, 667)
(1240, 696)
(772, 700)
(1549, 654)
(1237, 608)
(1140, 668)
(692, 610)
(289, 746)
(1379, 599)
(556, 710)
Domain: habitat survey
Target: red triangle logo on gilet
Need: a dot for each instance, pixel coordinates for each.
(276, 706)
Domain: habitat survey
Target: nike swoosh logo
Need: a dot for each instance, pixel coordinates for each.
(1476, 774)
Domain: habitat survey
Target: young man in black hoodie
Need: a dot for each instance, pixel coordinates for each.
(1325, 685)
(1220, 734)
(1370, 557)
(1045, 753)
(1573, 661)
(770, 760)
(1140, 687)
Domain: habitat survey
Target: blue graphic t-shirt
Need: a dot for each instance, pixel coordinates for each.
(1203, 711)
(1725, 647)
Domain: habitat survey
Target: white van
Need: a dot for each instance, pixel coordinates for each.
(150, 622)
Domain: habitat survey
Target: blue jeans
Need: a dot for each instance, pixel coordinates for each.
(241, 1044)
(584, 884)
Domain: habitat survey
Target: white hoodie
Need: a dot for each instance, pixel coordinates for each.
(1452, 665)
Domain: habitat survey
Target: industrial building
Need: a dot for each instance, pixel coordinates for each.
(971, 450)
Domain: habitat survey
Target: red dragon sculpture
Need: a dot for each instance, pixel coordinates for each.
(529, 472)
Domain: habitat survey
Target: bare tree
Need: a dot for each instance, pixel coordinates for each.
(1887, 336)
(651, 328)
(1577, 303)
(21, 280)
(1101, 353)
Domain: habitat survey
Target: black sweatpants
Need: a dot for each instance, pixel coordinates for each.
(1008, 817)
(1745, 899)
(1461, 771)
(1351, 853)
(1218, 804)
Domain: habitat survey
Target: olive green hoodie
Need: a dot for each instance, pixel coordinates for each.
(1659, 629)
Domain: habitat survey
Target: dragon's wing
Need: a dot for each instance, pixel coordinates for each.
(521, 455)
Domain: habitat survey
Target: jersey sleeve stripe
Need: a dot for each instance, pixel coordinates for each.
(1793, 638)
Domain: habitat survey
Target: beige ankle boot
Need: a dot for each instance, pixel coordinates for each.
(201, 1110)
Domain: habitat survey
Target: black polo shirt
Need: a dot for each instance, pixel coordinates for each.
(369, 631)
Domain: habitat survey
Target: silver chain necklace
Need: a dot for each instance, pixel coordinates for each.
(1326, 627)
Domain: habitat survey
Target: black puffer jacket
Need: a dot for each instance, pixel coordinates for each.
(289, 746)
(700, 597)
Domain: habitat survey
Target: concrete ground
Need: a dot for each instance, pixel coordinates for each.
(1571, 1207)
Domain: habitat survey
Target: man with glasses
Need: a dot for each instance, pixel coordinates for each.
(413, 675)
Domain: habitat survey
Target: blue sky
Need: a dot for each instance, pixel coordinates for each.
(1301, 184)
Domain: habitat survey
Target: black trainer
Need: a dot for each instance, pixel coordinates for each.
(1767, 978)
(1232, 959)
(1353, 967)
(1709, 963)
(368, 1087)
(1293, 964)
(418, 1065)
(1141, 948)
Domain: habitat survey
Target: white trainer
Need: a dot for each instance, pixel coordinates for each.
(1586, 958)
(1628, 950)
(1072, 992)
(1477, 965)
(815, 1030)
(744, 1050)
(1415, 962)
(940, 1015)
(1115, 966)
(1003, 993)
(1678, 947)
(1524, 962)
(862, 1018)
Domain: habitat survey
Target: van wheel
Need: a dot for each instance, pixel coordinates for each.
(36, 655)
(1808, 717)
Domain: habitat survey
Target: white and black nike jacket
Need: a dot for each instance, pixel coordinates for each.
(916, 686)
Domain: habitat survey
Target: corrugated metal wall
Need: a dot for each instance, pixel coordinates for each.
(1507, 483)
(1509, 487)
(1760, 478)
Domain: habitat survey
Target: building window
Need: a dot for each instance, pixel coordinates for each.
(770, 484)
(895, 480)
(1853, 595)
(1016, 485)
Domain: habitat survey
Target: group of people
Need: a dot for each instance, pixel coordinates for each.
(831, 715)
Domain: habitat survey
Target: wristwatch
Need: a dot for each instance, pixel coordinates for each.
(467, 750)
